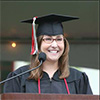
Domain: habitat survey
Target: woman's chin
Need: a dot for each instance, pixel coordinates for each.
(52, 59)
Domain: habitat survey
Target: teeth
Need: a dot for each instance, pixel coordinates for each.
(53, 51)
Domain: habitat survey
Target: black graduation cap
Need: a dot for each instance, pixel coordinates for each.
(49, 24)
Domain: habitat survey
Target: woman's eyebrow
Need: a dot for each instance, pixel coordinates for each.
(47, 36)
(59, 36)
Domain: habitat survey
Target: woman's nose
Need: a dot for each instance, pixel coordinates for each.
(54, 44)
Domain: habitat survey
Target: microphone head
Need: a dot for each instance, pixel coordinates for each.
(42, 56)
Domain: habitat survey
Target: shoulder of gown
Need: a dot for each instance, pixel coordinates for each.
(21, 69)
(81, 81)
(75, 75)
(15, 84)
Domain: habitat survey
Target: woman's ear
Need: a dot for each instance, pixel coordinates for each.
(65, 35)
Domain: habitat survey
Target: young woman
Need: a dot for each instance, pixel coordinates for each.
(54, 76)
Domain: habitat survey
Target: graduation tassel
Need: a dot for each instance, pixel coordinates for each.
(34, 39)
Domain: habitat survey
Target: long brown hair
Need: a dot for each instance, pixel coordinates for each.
(63, 62)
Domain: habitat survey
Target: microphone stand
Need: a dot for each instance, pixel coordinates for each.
(22, 73)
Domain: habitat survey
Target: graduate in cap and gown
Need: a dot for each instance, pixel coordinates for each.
(54, 75)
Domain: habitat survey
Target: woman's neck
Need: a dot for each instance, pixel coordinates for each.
(50, 68)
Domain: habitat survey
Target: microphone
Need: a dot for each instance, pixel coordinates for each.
(42, 58)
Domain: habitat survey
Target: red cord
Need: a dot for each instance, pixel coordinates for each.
(66, 86)
(39, 90)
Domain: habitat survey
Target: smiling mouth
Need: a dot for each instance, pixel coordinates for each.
(51, 51)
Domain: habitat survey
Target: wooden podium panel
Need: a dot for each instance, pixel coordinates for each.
(30, 96)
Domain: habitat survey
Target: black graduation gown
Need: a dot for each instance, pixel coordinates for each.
(77, 82)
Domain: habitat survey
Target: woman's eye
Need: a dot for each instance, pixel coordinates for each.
(60, 39)
(48, 39)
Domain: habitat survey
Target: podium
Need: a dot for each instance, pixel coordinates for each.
(30, 96)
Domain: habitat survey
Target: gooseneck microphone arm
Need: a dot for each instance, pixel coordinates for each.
(22, 73)
(42, 58)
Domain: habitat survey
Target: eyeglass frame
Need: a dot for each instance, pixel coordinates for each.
(44, 39)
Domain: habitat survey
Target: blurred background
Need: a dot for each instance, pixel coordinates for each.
(82, 34)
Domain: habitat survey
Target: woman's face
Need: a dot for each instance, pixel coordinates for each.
(53, 46)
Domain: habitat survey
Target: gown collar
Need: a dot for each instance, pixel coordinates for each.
(55, 76)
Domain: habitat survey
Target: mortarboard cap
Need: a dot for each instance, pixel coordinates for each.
(48, 25)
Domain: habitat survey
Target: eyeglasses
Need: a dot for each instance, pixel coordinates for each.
(50, 40)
